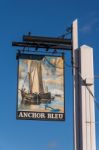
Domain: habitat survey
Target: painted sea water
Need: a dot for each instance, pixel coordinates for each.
(56, 105)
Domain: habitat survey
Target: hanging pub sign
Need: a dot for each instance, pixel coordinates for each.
(40, 94)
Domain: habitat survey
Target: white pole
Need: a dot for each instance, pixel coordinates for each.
(87, 98)
(76, 84)
(84, 113)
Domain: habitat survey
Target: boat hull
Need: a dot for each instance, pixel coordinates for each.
(45, 97)
(36, 99)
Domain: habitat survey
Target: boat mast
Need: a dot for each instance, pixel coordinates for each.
(40, 81)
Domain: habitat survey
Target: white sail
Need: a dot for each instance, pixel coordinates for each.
(35, 76)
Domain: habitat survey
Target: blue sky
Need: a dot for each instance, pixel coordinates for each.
(46, 18)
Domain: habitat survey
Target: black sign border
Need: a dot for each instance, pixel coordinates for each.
(31, 57)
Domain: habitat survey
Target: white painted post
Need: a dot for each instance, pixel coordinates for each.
(87, 98)
(84, 113)
(76, 85)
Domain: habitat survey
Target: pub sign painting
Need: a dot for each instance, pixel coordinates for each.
(40, 94)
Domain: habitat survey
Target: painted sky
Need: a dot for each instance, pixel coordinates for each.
(46, 18)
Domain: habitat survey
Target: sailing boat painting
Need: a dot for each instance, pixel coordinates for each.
(40, 84)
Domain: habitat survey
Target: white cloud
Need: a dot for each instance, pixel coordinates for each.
(86, 28)
(52, 144)
(90, 22)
